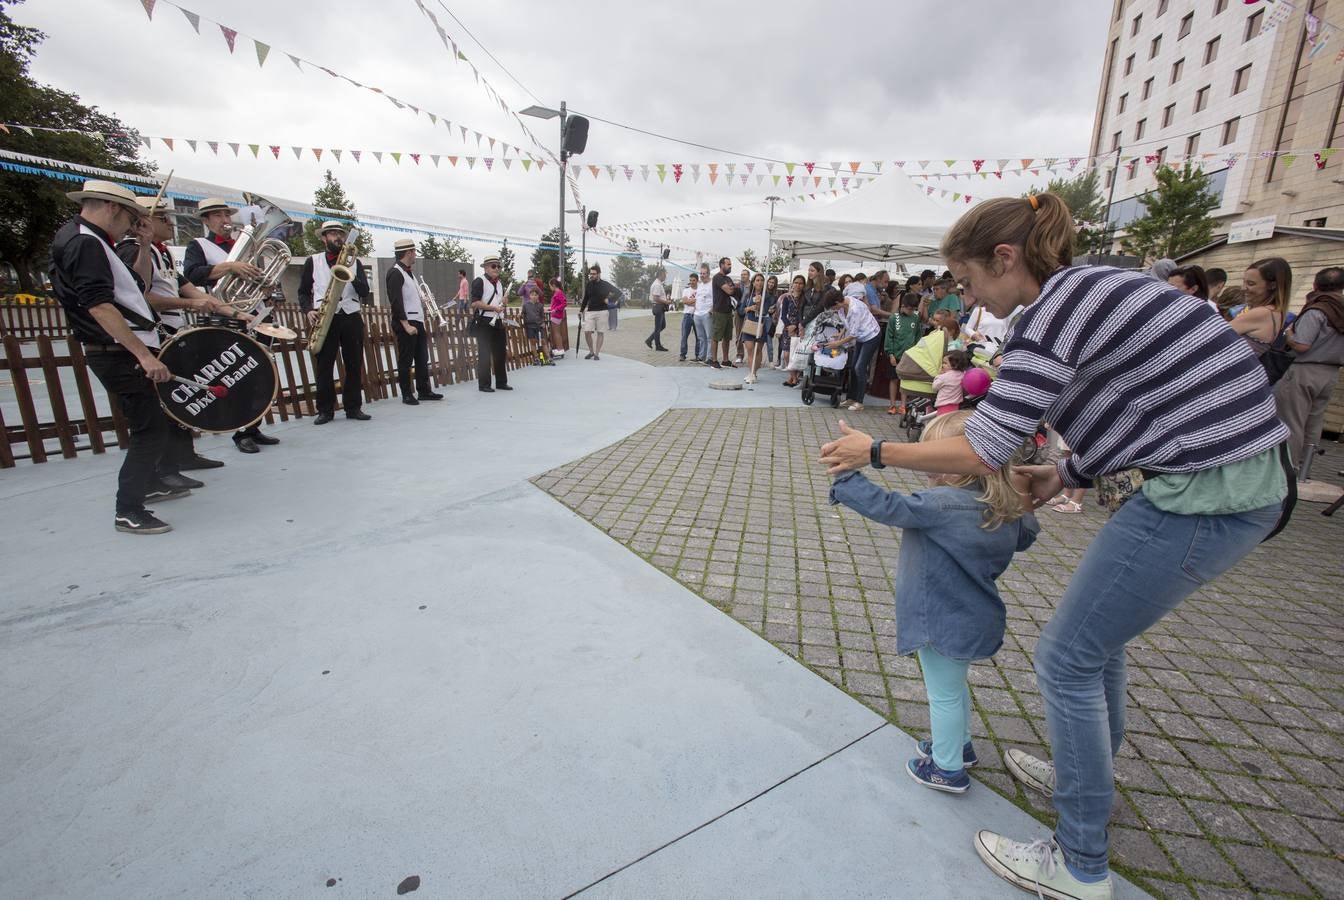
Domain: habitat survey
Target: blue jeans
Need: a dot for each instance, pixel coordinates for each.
(1140, 566)
(949, 706)
(701, 326)
(861, 368)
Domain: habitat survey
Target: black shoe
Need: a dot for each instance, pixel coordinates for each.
(200, 462)
(140, 521)
(161, 492)
(181, 482)
(486, 390)
(648, 342)
(358, 415)
(714, 364)
(429, 395)
(323, 418)
(409, 400)
(246, 445)
(661, 349)
(504, 387)
(681, 359)
(265, 439)
(596, 357)
(589, 356)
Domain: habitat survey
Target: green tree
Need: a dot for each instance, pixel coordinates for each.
(1176, 215)
(331, 200)
(506, 267)
(453, 251)
(748, 258)
(544, 257)
(1082, 193)
(627, 267)
(429, 248)
(32, 207)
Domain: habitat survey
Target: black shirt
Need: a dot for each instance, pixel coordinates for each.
(723, 301)
(81, 276)
(360, 281)
(194, 264)
(595, 294)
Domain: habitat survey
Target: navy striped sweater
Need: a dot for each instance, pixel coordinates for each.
(1133, 373)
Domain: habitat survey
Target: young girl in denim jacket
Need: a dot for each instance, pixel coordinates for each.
(957, 538)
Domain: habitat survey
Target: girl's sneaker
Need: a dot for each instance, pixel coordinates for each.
(968, 757)
(927, 773)
(1034, 773)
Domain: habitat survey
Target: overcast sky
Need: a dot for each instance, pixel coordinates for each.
(850, 82)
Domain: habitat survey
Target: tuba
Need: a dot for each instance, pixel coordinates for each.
(261, 243)
(342, 273)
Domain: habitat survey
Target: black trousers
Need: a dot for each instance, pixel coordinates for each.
(659, 323)
(148, 424)
(412, 349)
(347, 338)
(490, 354)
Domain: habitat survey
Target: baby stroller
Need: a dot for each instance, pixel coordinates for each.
(919, 410)
(827, 371)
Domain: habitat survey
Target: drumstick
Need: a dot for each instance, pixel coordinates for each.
(218, 390)
(163, 187)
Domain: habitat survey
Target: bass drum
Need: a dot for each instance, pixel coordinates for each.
(217, 356)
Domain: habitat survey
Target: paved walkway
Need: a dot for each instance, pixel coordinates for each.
(377, 656)
(1232, 780)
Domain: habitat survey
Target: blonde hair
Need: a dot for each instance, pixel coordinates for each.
(1041, 225)
(1002, 502)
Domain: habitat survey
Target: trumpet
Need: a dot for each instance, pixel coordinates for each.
(428, 302)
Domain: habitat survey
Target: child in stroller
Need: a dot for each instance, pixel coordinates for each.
(827, 370)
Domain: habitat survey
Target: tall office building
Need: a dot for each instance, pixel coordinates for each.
(1206, 80)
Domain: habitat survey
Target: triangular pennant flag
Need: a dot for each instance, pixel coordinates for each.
(489, 163)
(194, 19)
(662, 171)
(760, 179)
(191, 143)
(1050, 161)
(317, 153)
(809, 166)
(929, 191)
(877, 164)
(235, 147)
(255, 148)
(298, 152)
(149, 8)
(214, 147)
(478, 138)
(611, 173)
(789, 180)
(377, 155)
(275, 150)
(168, 142)
(337, 154)
(527, 165)
(298, 63)
(835, 166)
(574, 171)
(788, 167)
(452, 160)
(676, 173)
(356, 154)
(770, 168)
(463, 130)
(831, 180)
(1002, 163)
(471, 161)
(1026, 163)
(396, 156)
(629, 172)
(775, 180)
(416, 157)
(435, 158)
(508, 164)
(967, 198)
(1288, 160)
(263, 50)
(942, 193)
(853, 167)
(433, 119)
(541, 164)
(977, 163)
(230, 36)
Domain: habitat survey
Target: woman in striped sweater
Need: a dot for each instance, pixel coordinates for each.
(1135, 375)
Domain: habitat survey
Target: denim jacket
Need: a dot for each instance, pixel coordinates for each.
(945, 592)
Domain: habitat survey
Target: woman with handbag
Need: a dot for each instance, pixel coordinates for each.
(1139, 379)
(1266, 287)
(755, 326)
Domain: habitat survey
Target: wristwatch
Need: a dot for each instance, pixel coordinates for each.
(875, 458)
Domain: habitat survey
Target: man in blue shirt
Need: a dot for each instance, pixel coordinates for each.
(876, 289)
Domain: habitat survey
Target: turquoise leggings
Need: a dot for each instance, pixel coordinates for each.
(949, 706)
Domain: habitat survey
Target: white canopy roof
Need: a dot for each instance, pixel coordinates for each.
(887, 220)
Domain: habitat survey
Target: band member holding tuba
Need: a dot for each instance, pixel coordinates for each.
(347, 326)
(169, 294)
(487, 321)
(408, 322)
(206, 261)
(104, 302)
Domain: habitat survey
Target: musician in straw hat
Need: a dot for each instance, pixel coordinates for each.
(408, 323)
(169, 294)
(205, 262)
(347, 327)
(488, 298)
(104, 302)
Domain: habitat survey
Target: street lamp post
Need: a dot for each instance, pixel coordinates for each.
(542, 112)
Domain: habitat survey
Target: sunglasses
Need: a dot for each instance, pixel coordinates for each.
(492, 265)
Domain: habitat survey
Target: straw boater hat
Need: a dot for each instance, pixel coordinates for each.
(492, 258)
(214, 204)
(402, 245)
(107, 190)
(332, 225)
(148, 207)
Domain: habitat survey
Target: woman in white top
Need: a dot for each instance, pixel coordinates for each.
(861, 327)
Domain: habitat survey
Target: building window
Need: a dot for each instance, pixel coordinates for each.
(1110, 178)
(1177, 70)
(1161, 156)
(1115, 141)
(1242, 79)
(1229, 131)
(1310, 223)
(1134, 29)
(1253, 25)
(1148, 89)
(1184, 31)
(1201, 98)
(1219, 6)
(1129, 64)
(1122, 103)
(1133, 170)
(1167, 115)
(1155, 47)
(1211, 50)
(1192, 145)
(1139, 127)
(1161, 8)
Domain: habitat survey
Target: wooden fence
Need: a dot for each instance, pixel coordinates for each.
(37, 339)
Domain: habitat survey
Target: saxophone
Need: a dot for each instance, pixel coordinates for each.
(342, 273)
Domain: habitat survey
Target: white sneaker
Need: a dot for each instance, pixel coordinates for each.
(750, 379)
(1034, 773)
(738, 360)
(1038, 867)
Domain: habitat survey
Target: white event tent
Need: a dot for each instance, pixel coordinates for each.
(888, 220)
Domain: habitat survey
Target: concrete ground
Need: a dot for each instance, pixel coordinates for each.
(377, 658)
